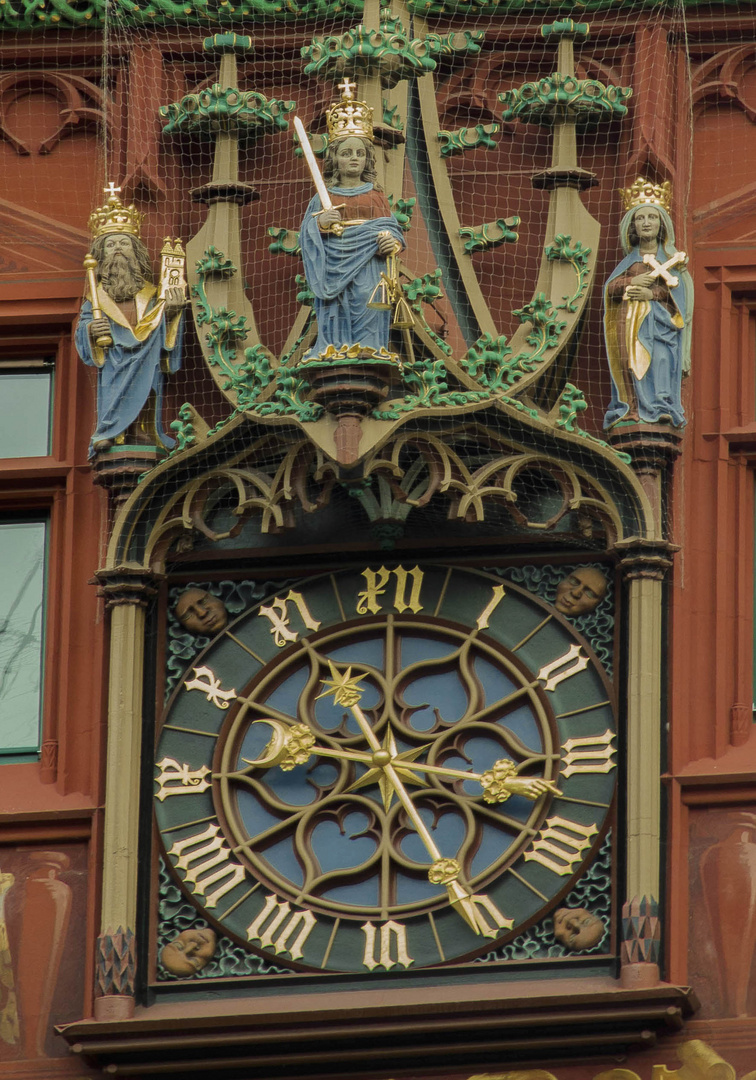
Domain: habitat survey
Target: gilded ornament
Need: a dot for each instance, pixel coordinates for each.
(226, 330)
(348, 354)
(179, 779)
(289, 399)
(183, 428)
(90, 14)
(114, 217)
(571, 402)
(349, 117)
(494, 781)
(402, 209)
(305, 295)
(284, 241)
(428, 382)
(205, 681)
(566, 28)
(299, 743)
(484, 361)
(215, 264)
(545, 333)
(490, 361)
(426, 289)
(388, 51)
(444, 871)
(228, 43)
(391, 116)
(346, 690)
(647, 193)
(502, 781)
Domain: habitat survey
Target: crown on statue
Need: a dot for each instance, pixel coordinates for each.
(348, 116)
(644, 193)
(114, 217)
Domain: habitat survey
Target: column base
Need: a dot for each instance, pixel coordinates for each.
(114, 1007)
(639, 976)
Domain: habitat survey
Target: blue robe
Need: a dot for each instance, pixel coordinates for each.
(644, 344)
(342, 272)
(133, 365)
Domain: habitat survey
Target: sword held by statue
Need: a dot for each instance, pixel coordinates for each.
(317, 178)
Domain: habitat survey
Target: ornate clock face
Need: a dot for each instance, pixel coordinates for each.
(386, 770)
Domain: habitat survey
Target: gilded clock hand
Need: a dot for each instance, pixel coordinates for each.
(444, 871)
(498, 782)
(294, 744)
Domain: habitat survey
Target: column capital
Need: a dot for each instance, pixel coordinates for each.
(124, 585)
(642, 558)
(651, 446)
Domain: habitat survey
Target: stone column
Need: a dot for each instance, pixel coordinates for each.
(654, 448)
(127, 595)
(644, 565)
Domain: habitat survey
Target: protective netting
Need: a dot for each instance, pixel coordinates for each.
(81, 98)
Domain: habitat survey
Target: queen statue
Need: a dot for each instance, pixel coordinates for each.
(648, 307)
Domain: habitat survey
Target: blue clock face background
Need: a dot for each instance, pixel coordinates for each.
(320, 840)
(456, 673)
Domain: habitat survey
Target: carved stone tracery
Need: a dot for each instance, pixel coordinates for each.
(722, 78)
(80, 102)
(468, 465)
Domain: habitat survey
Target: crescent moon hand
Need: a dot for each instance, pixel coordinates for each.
(277, 749)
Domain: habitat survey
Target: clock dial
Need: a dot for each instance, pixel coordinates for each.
(387, 769)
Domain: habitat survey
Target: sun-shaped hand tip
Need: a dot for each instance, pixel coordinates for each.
(345, 689)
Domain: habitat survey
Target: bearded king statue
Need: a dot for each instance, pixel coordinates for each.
(128, 328)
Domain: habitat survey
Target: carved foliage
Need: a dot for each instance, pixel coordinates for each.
(225, 331)
(388, 50)
(490, 235)
(226, 109)
(456, 142)
(587, 99)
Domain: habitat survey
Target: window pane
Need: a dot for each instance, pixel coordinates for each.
(25, 413)
(22, 579)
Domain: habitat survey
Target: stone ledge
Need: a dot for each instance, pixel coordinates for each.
(332, 1035)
